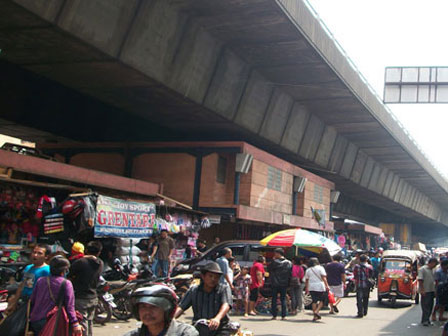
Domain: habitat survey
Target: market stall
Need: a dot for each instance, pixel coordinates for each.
(58, 204)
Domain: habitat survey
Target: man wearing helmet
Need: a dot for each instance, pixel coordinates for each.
(155, 307)
(211, 301)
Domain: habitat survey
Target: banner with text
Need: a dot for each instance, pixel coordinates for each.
(123, 219)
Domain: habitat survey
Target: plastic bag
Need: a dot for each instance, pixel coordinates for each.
(331, 298)
(15, 324)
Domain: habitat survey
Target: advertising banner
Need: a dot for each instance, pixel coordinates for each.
(123, 219)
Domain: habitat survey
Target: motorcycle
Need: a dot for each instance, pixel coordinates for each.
(103, 310)
(181, 284)
(3, 302)
(350, 284)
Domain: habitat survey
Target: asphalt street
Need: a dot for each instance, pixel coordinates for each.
(382, 319)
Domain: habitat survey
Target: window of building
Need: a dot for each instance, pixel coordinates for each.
(274, 178)
(318, 193)
(222, 170)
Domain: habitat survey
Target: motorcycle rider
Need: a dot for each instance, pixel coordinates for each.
(211, 300)
(155, 307)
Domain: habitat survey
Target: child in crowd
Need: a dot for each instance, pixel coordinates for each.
(242, 282)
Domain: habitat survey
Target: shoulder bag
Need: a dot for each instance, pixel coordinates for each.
(370, 281)
(57, 319)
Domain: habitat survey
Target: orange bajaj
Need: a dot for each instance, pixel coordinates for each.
(397, 278)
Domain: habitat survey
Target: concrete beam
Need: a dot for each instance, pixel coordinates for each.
(227, 85)
(47, 9)
(367, 173)
(400, 188)
(326, 146)
(373, 182)
(154, 40)
(276, 116)
(388, 184)
(349, 160)
(382, 180)
(311, 140)
(403, 194)
(102, 23)
(295, 127)
(254, 102)
(337, 154)
(360, 162)
(393, 187)
(196, 61)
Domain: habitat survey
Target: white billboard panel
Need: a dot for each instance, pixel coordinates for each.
(410, 85)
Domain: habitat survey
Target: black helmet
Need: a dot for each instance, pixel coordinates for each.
(158, 295)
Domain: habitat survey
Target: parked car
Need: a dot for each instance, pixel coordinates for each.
(244, 251)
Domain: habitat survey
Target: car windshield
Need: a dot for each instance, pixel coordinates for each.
(396, 265)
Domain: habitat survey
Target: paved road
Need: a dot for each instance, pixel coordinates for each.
(381, 320)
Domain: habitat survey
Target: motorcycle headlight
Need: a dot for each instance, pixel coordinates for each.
(406, 280)
(383, 279)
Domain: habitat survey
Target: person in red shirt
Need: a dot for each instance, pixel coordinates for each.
(257, 282)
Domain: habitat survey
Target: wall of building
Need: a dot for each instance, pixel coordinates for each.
(261, 196)
(112, 163)
(174, 171)
(315, 195)
(214, 193)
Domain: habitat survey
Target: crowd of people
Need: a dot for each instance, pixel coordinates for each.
(53, 279)
(296, 278)
(224, 286)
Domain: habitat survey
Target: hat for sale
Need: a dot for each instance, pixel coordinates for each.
(212, 267)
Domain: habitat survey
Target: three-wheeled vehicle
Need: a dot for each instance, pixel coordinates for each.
(397, 278)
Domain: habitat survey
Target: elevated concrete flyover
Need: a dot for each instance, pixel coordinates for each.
(264, 71)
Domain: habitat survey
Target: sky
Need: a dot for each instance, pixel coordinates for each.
(380, 33)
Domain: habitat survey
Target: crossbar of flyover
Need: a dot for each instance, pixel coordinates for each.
(263, 71)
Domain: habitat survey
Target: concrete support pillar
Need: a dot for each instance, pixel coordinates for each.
(197, 181)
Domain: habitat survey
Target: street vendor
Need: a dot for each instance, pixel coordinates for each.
(211, 300)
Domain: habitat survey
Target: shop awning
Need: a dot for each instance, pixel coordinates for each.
(352, 225)
(83, 176)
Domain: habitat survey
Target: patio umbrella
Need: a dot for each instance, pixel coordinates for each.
(307, 241)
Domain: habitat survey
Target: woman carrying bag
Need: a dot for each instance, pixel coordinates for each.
(54, 293)
(316, 285)
(296, 287)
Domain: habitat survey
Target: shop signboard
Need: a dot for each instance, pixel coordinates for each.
(119, 218)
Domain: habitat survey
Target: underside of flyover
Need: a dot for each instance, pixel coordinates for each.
(262, 71)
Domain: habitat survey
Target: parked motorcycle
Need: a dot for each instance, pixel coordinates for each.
(350, 284)
(181, 283)
(103, 310)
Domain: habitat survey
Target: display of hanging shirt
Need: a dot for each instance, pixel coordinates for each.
(53, 223)
(46, 203)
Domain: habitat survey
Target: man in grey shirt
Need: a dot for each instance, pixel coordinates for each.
(163, 252)
(427, 289)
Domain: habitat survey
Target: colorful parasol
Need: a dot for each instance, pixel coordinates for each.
(303, 239)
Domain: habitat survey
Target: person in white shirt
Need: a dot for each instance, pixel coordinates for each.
(316, 285)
